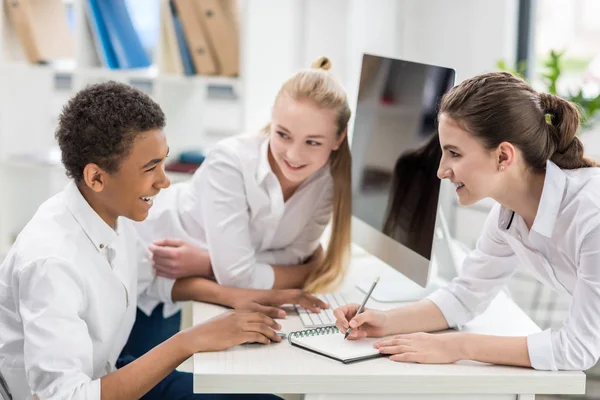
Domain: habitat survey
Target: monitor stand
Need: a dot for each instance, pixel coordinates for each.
(395, 290)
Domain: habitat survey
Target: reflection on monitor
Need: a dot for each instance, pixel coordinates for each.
(395, 157)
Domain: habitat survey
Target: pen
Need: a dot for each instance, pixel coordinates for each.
(362, 306)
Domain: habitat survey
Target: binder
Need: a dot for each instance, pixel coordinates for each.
(104, 49)
(124, 39)
(328, 341)
(184, 52)
(170, 61)
(195, 34)
(42, 28)
(222, 35)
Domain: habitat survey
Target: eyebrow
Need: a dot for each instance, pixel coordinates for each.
(283, 128)
(450, 147)
(155, 161)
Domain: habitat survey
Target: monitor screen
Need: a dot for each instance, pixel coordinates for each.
(395, 157)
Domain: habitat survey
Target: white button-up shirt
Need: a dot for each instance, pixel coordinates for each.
(234, 208)
(68, 295)
(562, 250)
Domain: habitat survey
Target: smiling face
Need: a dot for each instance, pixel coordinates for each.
(466, 163)
(130, 191)
(302, 138)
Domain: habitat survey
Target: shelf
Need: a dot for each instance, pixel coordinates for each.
(52, 160)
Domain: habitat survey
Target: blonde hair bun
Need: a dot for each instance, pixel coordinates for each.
(322, 63)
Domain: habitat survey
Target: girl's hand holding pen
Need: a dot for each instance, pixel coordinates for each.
(369, 323)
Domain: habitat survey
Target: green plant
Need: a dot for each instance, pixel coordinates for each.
(588, 106)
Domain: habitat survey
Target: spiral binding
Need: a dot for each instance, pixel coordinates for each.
(323, 330)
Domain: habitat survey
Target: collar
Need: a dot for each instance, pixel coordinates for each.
(264, 168)
(552, 194)
(98, 231)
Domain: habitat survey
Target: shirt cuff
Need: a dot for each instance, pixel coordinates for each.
(94, 390)
(263, 277)
(455, 313)
(159, 291)
(541, 353)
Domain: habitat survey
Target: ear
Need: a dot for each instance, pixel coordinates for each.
(94, 177)
(505, 154)
(340, 139)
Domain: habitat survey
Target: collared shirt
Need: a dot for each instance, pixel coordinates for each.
(562, 250)
(68, 291)
(234, 208)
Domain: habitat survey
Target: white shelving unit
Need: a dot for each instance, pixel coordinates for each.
(200, 111)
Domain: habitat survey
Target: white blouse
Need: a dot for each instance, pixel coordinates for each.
(234, 208)
(562, 250)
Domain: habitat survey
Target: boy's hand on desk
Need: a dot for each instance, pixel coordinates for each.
(174, 259)
(230, 329)
(369, 323)
(268, 301)
(423, 348)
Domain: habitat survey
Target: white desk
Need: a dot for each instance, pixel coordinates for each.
(282, 368)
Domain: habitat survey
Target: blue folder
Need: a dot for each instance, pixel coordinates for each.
(104, 47)
(184, 50)
(125, 40)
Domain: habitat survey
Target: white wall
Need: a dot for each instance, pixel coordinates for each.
(284, 36)
(468, 35)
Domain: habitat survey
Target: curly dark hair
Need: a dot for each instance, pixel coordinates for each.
(100, 123)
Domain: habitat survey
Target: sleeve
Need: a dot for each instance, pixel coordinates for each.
(58, 352)
(485, 271)
(152, 289)
(226, 216)
(309, 238)
(575, 346)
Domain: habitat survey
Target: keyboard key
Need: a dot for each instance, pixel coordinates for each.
(325, 317)
(306, 320)
(329, 314)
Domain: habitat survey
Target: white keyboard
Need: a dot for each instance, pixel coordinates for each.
(325, 317)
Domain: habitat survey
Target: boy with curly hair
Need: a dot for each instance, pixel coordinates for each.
(69, 285)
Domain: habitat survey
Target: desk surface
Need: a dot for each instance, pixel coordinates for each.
(282, 368)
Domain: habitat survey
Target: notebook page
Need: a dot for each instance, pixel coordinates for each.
(335, 346)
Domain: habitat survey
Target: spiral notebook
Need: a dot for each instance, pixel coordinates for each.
(329, 342)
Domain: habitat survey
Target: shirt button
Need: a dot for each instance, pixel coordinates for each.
(101, 246)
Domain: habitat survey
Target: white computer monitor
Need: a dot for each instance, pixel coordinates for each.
(395, 157)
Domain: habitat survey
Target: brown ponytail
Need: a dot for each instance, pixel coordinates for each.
(498, 107)
(563, 121)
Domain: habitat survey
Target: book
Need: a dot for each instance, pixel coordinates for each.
(169, 60)
(104, 49)
(195, 35)
(328, 341)
(42, 29)
(182, 44)
(222, 36)
(124, 38)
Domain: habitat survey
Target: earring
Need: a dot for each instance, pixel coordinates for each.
(502, 168)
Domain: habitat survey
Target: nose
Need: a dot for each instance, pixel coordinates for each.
(294, 153)
(443, 171)
(163, 181)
